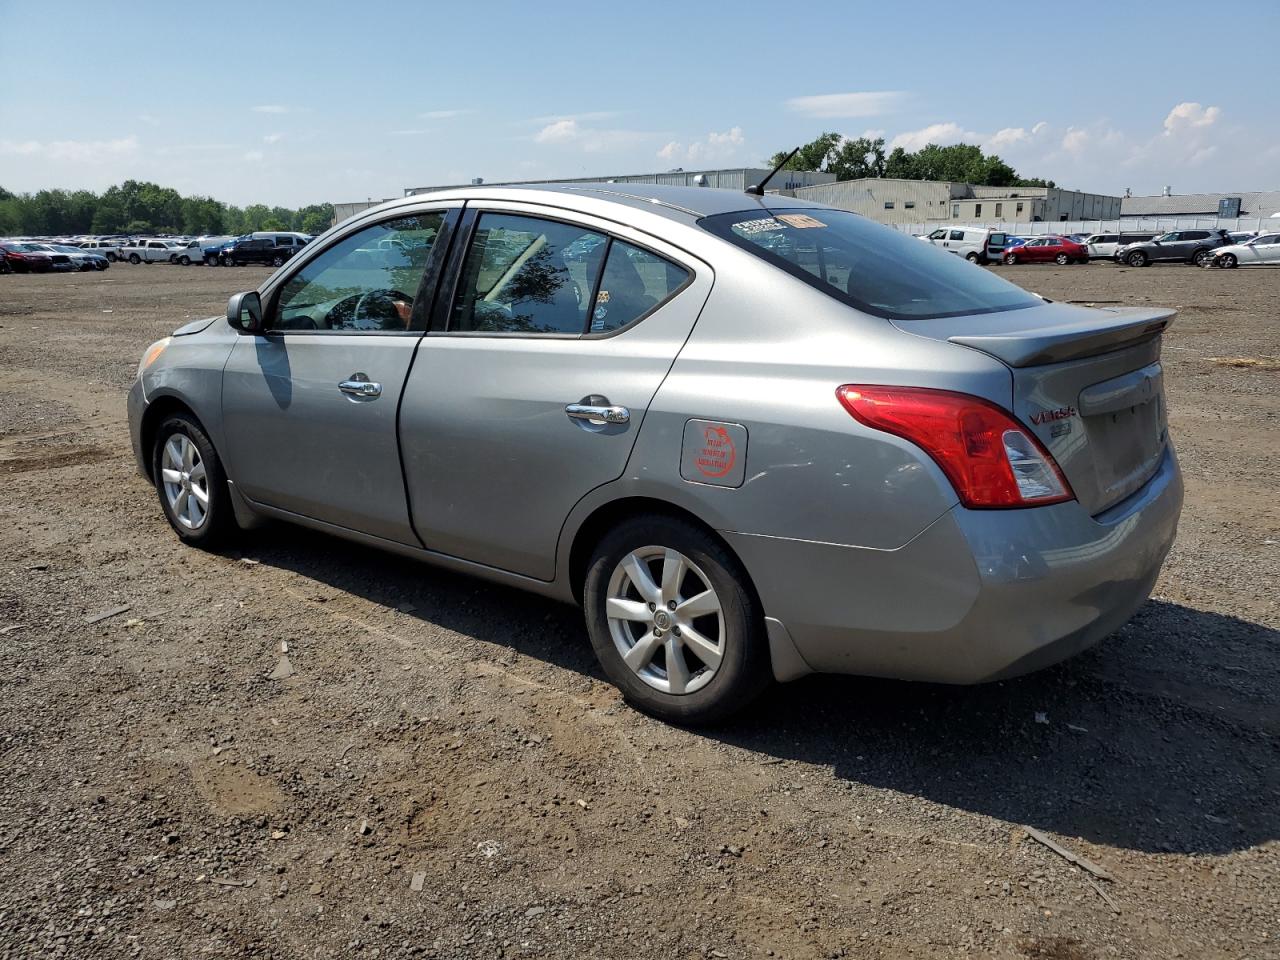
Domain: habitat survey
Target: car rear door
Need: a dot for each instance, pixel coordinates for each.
(532, 386)
(309, 406)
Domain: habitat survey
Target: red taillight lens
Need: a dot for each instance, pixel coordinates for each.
(991, 459)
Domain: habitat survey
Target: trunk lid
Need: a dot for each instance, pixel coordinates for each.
(1088, 383)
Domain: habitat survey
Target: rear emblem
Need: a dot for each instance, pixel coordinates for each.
(1048, 416)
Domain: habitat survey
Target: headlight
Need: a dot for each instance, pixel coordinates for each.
(152, 354)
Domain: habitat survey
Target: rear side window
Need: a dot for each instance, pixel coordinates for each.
(868, 266)
(527, 275)
(957, 234)
(634, 282)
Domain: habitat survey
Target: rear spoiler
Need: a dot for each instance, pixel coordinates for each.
(1091, 334)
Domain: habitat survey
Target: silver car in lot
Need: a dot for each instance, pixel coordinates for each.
(753, 437)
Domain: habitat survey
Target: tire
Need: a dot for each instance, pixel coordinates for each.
(1201, 257)
(135, 259)
(1010, 259)
(277, 261)
(1062, 259)
(185, 260)
(215, 524)
(210, 261)
(971, 257)
(740, 652)
(1227, 261)
(228, 262)
(1137, 259)
(112, 257)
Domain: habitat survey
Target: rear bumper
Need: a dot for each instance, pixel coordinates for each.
(978, 596)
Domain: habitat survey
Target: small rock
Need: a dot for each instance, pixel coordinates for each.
(365, 829)
(283, 671)
(419, 878)
(1042, 717)
(535, 911)
(165, 904)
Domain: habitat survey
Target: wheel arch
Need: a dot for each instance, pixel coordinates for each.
(155, 414)
(608, 515)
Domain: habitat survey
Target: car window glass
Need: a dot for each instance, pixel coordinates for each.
(1268, 240)
(633, 283)
(938, 235)
(866, 265)
(957, 234)
(527, 275)
(366, 282)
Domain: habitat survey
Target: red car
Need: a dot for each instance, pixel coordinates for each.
(29, 258)
(1045, 249)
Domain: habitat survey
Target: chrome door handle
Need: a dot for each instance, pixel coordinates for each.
(361, 388)
(598, 414)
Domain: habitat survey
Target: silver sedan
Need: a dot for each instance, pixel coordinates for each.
(752, 437)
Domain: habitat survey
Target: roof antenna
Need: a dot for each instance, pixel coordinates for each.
(757, 189)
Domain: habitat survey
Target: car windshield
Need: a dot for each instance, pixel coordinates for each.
(868, 266)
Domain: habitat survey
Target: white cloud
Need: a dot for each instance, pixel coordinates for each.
(273, 138)
(558, 131)
(270, 108)
(567, 131)
(442, 114)
(864, 104)
(713, 148)
(581, 117)
(1075, 140)
(1190, 116)
(940, 133)
(1040, 127)
(1006, 137)
(73, 151)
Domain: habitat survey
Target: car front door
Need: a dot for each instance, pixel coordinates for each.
(309, 405)
(531, 388)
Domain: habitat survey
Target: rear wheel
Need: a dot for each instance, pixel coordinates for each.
(1137, 259)
(1227, 261)
(191, 484)
(1062, 259)
(185, 260)
(1201, 257)
(674, 621)
(277, 261)
(135, 259)
(112, 257)
(971, 257)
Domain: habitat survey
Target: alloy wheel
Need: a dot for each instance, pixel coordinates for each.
(186, 484)
(665, 619)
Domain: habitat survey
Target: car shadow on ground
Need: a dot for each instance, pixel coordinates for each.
(1161, 739)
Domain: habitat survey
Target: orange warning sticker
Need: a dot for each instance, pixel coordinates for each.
(799, 220)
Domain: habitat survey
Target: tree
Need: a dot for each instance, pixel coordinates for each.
(865, 157)
(274, 223)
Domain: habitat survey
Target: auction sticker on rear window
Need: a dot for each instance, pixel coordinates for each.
(714, 452)
(763, 225)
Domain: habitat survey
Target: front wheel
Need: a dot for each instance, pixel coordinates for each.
(1010, 259)
(1201, 257)
(191, 484)
(1227, 261)
(1137, 259)
(277, 261)
(674, 621)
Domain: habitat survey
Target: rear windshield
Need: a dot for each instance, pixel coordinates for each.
(868, 266)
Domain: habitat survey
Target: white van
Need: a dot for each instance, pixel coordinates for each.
(975, 244)
(283, 238)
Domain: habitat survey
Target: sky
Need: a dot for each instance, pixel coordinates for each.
(296, 103)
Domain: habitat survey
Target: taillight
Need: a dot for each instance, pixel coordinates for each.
(990, 459)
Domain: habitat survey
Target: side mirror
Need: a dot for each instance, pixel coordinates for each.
(244, 312)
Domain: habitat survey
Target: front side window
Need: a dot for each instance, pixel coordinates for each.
(866, 265)
(957, 234)
(527, 275)
(634, 282)
(1267, 241)
(366, 282)
(938, 235)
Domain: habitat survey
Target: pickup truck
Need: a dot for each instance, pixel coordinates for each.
(147, 251)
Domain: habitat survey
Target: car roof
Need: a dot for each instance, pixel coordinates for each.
(675, 203)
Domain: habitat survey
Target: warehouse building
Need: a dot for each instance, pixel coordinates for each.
(731, 178)
(1225, 206)
(922, 201)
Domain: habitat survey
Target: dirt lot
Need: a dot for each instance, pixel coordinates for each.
(447, 775)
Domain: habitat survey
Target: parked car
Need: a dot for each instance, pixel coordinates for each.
(1048, 250)
(192, 251)
(1254, 252)
(83, 259)
(1242, 236)
(850, 453)
(256, 250)
(107, 248)
(29, 257)
(975, 244)
(1185, 246)
(1103, 246)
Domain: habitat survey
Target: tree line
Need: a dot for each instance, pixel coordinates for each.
(140, 207)
(865, 157)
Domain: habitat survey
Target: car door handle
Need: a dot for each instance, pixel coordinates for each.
(598, 414)
(360, 387)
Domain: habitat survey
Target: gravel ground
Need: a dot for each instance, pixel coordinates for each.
(443, 771)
